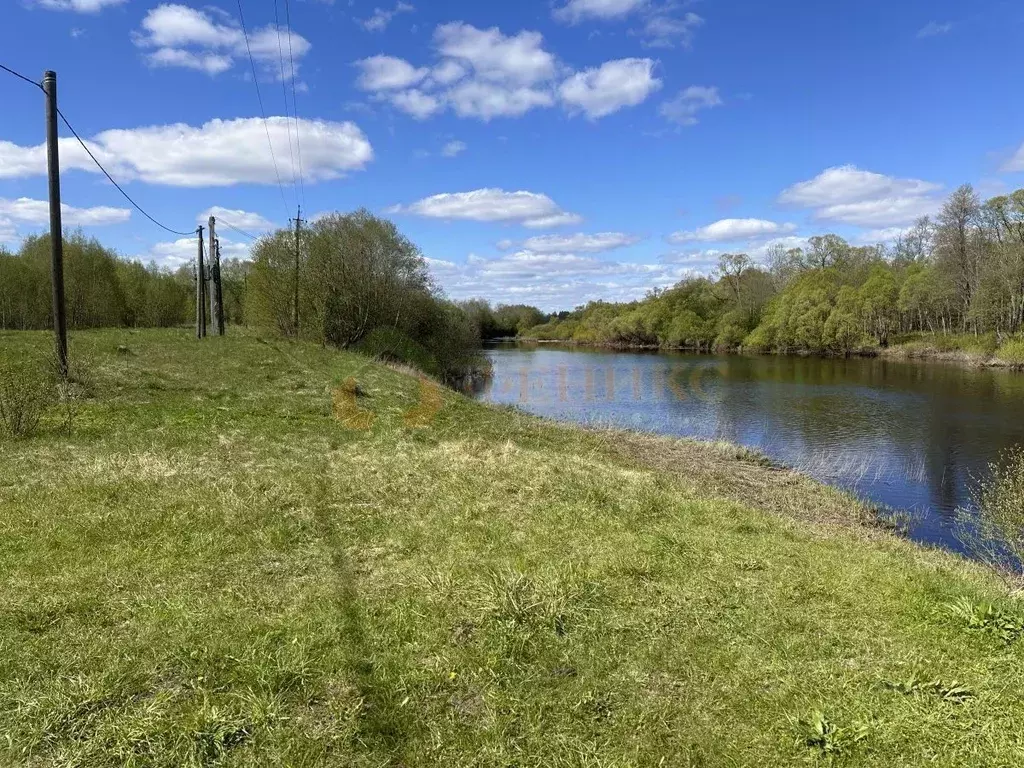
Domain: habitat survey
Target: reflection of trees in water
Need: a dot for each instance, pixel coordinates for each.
(874, 421)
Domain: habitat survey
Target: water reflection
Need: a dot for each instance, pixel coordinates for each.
(904, 434)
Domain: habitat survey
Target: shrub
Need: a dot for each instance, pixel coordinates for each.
(994, 529)
(27, 391)
(1012, 352)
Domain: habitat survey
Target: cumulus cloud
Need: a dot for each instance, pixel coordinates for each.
(730, 230)
(218, 153)
(610, 87)
(684, 108)
(25, 210)
(849, 195)
(238, 218)
(486, 74)
(381, 18)
(553, 280)
(179, 36)
(78, 6)
(529, 209)
(579, 243)
(935, 29)
(387, 73)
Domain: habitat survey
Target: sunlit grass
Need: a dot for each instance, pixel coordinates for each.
(213, 570)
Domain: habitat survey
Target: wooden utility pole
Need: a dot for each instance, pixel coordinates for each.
(200, 293)
(218, 292)
(56, 237)
(295, 307)
(216, 310)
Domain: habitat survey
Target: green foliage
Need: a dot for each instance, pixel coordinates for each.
(1005, 623)
(26, 393)
(102, 290)
(1012, 352)
(362, 284)
(993, 528)
(826, 737)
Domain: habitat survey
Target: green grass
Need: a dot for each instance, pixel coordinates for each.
(963, 346)
(213, 569)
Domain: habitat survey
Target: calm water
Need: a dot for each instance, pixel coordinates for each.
(907, 435)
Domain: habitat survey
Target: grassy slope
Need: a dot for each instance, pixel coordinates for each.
(213, 570)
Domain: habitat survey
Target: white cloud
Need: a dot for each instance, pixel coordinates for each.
(219, 153)
(454, 149)
(78, 6)
(25, 210)
(886, 235)
(849, 184)
(386, 73)
(684, 108)
(416, 103)
(884, 212)
(552, 280)
(576, 11)
(179, 36)
(529, 209)
(486, 74)
(610, 87)
(238, 218)
(380, 19)
(1016, 163)
(849, 195)
(728, 230)
(579, 243)
(484, 100)
(662, 30)
(494, 57)
(178, 253)
(935, 29)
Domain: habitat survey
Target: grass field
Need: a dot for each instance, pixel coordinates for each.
(236, 558)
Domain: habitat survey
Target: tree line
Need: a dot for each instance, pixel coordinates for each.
(361, 285)
(961, 272)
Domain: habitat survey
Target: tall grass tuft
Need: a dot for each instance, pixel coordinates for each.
(993, 530)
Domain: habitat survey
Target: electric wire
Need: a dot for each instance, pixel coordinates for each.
(263, 112)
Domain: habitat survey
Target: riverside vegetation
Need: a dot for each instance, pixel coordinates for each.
(952, 287)
(216, 565)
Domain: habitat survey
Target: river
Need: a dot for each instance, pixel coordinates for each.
(907, 435)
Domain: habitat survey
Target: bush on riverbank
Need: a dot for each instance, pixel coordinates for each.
(994, 528)
(361, 283)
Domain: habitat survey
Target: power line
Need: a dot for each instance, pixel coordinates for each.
(284, 92)
(239, 231)
(263, 112)
(111, 180)
(295, 101)
(20, 76)
(98, 164)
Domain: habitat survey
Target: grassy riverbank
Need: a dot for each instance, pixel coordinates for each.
(216, 569)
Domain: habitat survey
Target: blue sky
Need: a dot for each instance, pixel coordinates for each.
(537, 151)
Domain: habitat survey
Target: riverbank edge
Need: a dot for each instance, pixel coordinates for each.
(909, 351)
